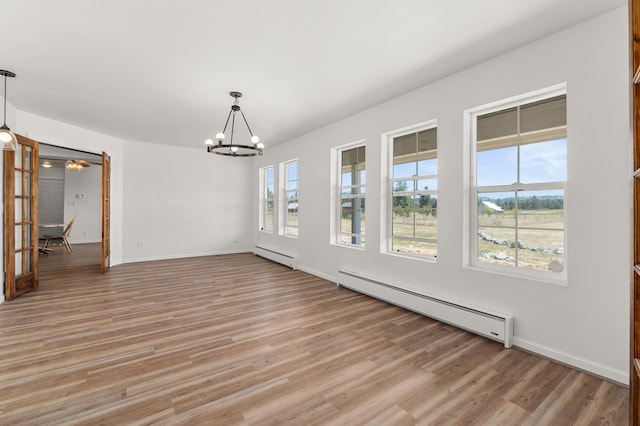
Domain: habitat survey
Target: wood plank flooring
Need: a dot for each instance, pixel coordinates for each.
(239, 340)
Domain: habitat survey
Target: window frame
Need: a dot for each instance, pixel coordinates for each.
(285, 191)
(471, 226)
(386, 223)
(336, 204)
(264, 199)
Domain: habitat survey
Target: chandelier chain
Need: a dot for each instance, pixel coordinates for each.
(4, 119)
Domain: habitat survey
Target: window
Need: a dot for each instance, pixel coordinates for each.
(518, 194)
(351, 196)
(414, 188)
(289, 216)
(267, 200)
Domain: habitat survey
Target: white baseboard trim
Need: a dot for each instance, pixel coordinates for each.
(313, 272)
(618, 376)
(90, 241)
(182, 256)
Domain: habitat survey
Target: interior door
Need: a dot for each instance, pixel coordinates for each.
(106, 212)
(21, 218)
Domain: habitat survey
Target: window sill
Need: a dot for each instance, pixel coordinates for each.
(428, 259)
(542, 277)
(293, 237)
(349, 246)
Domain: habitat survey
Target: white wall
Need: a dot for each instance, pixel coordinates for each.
(53, 132)
(83, 199)
(584, 323)
(54, 173)
(50, 197)
(182, 202)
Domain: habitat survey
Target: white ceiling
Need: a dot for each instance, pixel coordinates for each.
(161, 70)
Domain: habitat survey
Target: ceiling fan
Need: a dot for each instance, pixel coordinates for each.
(79, 165)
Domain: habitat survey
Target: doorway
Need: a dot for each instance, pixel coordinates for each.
(22, 250)
(70, 185)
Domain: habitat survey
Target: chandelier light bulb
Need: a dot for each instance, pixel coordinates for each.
(8, 140)
(234, 148)
(209, 142)
(255, 139)
(260, 145)
(220, 136)
(5, 136)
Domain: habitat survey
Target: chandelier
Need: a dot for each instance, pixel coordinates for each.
(74, 165)
(251, 149)
(79, 165)
(7, 137)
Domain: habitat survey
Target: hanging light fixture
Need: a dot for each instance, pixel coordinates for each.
(74, 165)
(7, 137)
(230, 148)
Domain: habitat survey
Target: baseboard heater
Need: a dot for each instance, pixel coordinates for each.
(492, 325)
(285, 259)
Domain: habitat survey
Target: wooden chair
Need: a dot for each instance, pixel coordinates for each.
(62, 238)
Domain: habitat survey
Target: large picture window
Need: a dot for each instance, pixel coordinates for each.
(520, 149)
(414, 200)
(267, 199)
(351, 194)
(290, 194)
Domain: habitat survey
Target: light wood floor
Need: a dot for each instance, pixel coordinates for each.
(239, 340)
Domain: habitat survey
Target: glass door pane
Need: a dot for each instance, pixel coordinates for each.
(18, 264)
(18, 183)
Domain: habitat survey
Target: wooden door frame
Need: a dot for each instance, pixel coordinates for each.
(16, 286)
(105, 252)
(104, 267)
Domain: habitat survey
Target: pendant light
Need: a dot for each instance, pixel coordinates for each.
(7, 137)
(251, 149)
